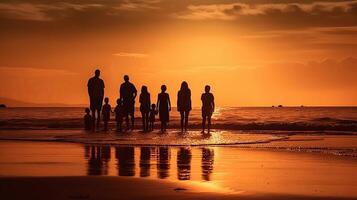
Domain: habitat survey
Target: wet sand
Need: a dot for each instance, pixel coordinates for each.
(54, 170)
(122, 188)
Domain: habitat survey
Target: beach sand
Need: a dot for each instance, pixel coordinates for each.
(122, 188)
(59, 170)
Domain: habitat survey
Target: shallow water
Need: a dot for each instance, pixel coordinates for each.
(237, 169)
(338, 119)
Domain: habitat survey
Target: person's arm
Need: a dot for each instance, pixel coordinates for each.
(158, 102)
(168, 98)
(213, 105)
(149, 99)
(178, 101)
(121, 92)
(190, 102)
(135, 92)
(89, 85)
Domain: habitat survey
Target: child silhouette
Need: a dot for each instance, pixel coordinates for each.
(152, 114)
(106, 110)
(119, 114)
(87, 120)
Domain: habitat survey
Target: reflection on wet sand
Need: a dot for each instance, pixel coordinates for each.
(163, 162)
(126, 161)
(207, 163)
(98, 159)
(184, 163)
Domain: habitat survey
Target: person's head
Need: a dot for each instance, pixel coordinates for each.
(184, 85)
(153, 106)
(144, 89)
(163, 88)
(126, 78)
(87, 110)
(106, 100)
(97, 73)
(119, 101)
(207, 88)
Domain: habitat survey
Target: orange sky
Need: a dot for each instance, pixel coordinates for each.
(252, 53)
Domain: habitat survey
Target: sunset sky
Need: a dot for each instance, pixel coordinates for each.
(251, 52)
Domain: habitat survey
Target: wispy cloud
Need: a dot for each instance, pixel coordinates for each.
(135, 5)
(40, 12)
(235, 10)
(132, 55)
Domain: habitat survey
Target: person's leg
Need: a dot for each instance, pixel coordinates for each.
(146, 121)
(98, 118)
(209, 123)
(143, 120)
(132, 120)
(105, 125)
(162, 126)
(186, 119)
(182, 114)
(93, 119)
(203, 123)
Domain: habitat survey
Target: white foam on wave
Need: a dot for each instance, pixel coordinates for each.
(171, 138)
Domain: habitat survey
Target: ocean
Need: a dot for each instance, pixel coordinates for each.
(255, 119)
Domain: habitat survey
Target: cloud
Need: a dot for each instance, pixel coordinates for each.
(132, 55)
(40, 12)
(235, 10)
(135, 5)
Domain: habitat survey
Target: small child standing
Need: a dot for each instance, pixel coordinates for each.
(119, 112)
(152, 114)
(88, 120)
(106, 110)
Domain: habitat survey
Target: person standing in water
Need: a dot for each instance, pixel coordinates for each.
(96, 94)
(208, 106)
(128, 94)
(145, 104)
(184, 104)
(106, 111)
(164, 107)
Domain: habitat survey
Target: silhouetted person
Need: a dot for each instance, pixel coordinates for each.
(119, 113)
(145, 154)
(152, 114)
(207, 163)
(163, 163)
(164, 107)
(184, 163)
(96, 95)
(126, 162)
(184, 104)
(128, 94)
(145, 104)
(107, 110)
(208, 106)
(87, 120)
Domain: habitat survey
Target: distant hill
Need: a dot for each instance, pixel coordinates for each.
(17, 103)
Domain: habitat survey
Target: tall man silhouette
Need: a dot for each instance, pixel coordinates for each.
(96, 94)
(128, 93)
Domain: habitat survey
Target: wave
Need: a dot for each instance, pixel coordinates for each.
(319, 124)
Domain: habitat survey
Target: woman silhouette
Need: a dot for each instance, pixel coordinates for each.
(145, 104)
(164, 107)
(184, 104)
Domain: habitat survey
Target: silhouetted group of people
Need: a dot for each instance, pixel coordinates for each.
(125, 107)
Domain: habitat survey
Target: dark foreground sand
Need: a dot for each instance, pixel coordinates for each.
(101, 187)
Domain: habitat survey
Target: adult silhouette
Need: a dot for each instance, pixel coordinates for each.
(145, 104)
(164, 107)
(184, 104)
(208, 106)
(128, 94)
(96, 94)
